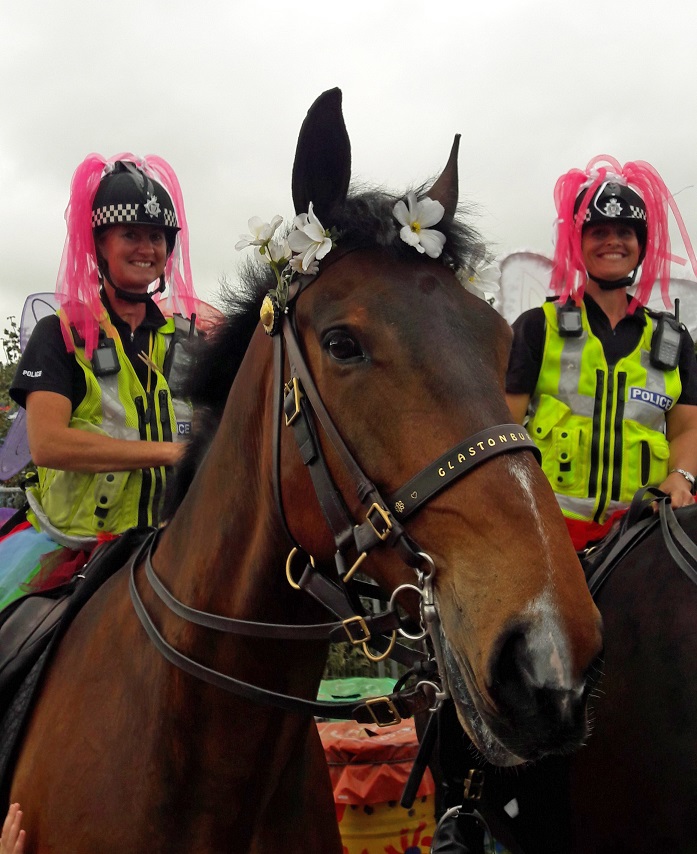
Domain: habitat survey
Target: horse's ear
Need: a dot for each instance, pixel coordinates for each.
(446, 190)
(322, 166)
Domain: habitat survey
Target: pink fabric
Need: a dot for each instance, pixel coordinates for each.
(569, 273)
(77, 287)
(178, 269)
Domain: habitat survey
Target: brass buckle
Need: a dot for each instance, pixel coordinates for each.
(292, 386)
(474, 784)
(361, 626)
(388, 706)
(385, 516)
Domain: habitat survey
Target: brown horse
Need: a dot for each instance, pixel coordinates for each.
(125, 751)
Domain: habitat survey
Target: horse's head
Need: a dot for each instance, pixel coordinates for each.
(409, 364)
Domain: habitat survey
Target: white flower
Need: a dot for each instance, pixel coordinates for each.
(309, 239)
(261, 232)
(483, 281)
(274, 252)
(296, 265)
(416, 217)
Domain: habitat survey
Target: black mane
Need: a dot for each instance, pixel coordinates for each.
(365, 220)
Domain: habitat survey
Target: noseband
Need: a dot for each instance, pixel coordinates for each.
(299, 403)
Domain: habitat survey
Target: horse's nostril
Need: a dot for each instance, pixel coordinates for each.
(530, 681)
(510, 674)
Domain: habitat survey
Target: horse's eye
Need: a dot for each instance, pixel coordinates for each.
(342, 347)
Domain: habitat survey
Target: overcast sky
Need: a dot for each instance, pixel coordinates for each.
(219, 88)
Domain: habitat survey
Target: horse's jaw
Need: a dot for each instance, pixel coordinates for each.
(471, 720)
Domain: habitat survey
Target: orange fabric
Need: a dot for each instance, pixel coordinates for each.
(369, 765)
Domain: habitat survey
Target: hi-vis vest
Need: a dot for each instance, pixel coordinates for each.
(600, 430)
(76, 506)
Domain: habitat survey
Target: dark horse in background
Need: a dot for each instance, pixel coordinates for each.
(127, 752)
(632, 787)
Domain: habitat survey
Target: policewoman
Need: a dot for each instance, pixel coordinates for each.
(607, 387)
(104, 426)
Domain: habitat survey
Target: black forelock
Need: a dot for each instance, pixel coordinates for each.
(366, 220)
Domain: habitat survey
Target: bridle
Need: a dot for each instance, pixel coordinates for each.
(299, 403)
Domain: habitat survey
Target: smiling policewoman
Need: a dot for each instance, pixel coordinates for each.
(608, 388)
(102, 420)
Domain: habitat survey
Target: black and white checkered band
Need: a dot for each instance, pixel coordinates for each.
(115, 214)
(112, 214)
(635, 212)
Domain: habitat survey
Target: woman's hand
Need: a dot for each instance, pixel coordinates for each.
(679, 489)
(12, 839)
(681, 432)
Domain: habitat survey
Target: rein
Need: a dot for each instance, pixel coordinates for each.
(636, 526)
(298, 402)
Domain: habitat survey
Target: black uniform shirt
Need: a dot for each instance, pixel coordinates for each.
(46, 365)
(529, 340)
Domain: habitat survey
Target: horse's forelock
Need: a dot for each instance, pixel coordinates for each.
(366, 219)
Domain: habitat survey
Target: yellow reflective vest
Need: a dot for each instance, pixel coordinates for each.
(600, 429)
(74, 507)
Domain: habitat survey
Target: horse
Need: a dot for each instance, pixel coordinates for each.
(631, 787)
(154, 732)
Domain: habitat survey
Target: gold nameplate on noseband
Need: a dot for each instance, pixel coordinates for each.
(291, 406)
(383, 711)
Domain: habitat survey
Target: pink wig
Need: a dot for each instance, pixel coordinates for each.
(569, 273)
(77, 288)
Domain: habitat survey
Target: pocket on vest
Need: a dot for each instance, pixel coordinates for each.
(645, 461)
(62, 497)
(564, 440)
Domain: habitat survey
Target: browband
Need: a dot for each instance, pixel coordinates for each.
(456, 462)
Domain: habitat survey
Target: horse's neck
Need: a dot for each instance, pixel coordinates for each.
(225, 549)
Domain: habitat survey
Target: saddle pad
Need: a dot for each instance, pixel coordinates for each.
(106, 562)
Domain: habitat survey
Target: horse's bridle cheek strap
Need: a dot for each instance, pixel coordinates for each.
(503, 438)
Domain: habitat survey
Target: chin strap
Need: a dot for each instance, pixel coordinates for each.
(608, 285)
(129, 296)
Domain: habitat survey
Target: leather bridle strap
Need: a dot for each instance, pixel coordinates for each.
(381, 710)
(639, 521)
(376, 528)
(503, 438)
(675, 539)
(333, 632)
